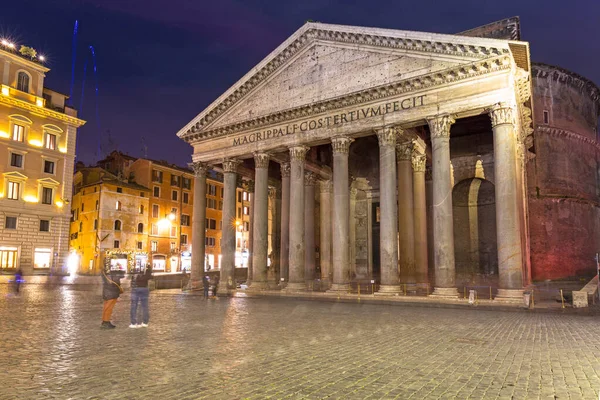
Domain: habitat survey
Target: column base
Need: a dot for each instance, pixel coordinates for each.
(339, 287)
(256, 286)
(273, 285)
(325, 284)
(295, 287)
(448, 293)
(509, 296)
(223, 290)
(388, 290)
(195, 285)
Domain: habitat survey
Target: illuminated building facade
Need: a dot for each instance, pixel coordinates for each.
(37, 150)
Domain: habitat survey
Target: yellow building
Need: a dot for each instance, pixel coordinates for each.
(37, 150)
(109, 224)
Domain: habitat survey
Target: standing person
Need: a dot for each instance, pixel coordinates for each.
(216, 286)
(139, 294)
(206, 285)
(111, 290)
(18, 280)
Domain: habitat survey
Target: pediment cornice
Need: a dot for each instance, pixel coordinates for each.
(422, 82)
(426, 43)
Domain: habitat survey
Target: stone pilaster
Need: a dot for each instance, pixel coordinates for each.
(341, 215)
(443, 225)
(326, 188)
(227, 282)
(260, 229)
(198, 224)
(310, 180)
(297, 245)
(285, 223)
(388, 211)
(250, 190)
(510, 261)
(406, 236)
(420, 214)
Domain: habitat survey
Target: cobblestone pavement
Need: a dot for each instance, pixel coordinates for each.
(237, 348)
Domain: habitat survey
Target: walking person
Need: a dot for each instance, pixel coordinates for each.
(139, 294)
(18, 280)
(206, 285)
(111, 290)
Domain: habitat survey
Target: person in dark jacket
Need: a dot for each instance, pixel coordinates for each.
(206, 285)
(111, 290)
(140, 294)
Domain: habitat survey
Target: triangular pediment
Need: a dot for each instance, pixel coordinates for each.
(321, 62)
(48, 181)
(15, 175)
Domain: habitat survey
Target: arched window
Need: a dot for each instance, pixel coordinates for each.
(141, 209)
(117, 225)
(23, 82)
(140, 228)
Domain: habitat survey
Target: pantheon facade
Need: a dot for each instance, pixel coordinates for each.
(404, 158)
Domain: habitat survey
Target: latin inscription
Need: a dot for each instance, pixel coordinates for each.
(332, 120)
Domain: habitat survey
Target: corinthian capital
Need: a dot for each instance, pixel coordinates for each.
(387, 136)
(230, 165)
(440, 126)
(501, 113)
(286, 169)
(199, 168)
(326, 186)
(310, 179)
(404, 150)
(298, 153)
(341, 144)
(261, 160)
(418, 162)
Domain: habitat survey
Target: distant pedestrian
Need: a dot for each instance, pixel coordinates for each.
(111, 290)
(206, 285)
(216, 286)
(139, 294)
(18, 280)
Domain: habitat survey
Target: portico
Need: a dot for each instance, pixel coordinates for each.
(353, 116)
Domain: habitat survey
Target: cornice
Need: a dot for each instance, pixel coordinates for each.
(42, 111)
(495, 61)
(556, 132)
(545, 71)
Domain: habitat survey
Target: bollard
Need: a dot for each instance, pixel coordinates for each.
(562, 299)
(490, 292)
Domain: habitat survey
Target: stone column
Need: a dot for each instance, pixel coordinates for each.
(310, 180)
(420, 214)
(341, 215)
(443, 226)
(297, 247)
(406, 226)
(284, 258)
(250, 189)
(260, 230)
(388, 215)
(273, 274)
(510, 261)
(227, 277)
(198, 224)
(325, 246)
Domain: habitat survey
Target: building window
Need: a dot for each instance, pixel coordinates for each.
(174, 180)
(96, 206)
(44, 225)
(83, 206)
(245, 196)
(154, 230)
(154, 245)
(546, 117)
(116, 244)
(141, 209)
(173, 231)
(155, 210)
(142, 194)
(156, 191)
(246, 210)
(185, 220)
(239, 214)
(211, 189)
(186, 198)
(222, 192)
(49, 167)
(23, 82)
(47, 195)
(174, 194)
(174, 211)
(247, 226)
(183, 239)
(95, 224)
(13, 190)
(10, 223)
(18, 133)
(117, 225)
(212, 203)
(186, 183)
(80, 226)
(16, 160)
(140, 228)
(157, 176)
(220, 205)
(50, 141)
(173, 246)
(239, 197)
(139, 245)
(118, 205)
(212, 224)
(8, 257)
(210, 241)
(119, 190)
(42, 258)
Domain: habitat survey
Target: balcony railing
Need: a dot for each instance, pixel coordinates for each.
(17, 94)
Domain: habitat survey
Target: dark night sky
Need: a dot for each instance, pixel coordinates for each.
(161, 62)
